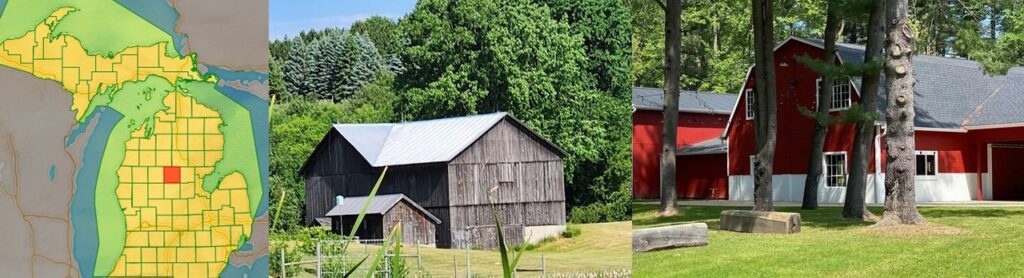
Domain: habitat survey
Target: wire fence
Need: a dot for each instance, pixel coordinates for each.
(332, 260)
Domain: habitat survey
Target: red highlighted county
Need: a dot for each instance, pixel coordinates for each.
(172, 174)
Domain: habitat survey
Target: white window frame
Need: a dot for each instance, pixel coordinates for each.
(934, 154)
(749, 103)
(837, 90)
(845, 175)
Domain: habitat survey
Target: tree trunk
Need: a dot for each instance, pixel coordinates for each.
(900, 203)
(821, 117)
(765, 122)
(673, 42)
(853, 206)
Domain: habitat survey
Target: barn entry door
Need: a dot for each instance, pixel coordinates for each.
(1007, 170)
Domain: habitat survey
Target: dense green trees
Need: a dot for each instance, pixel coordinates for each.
(561, 67)
(527, 58)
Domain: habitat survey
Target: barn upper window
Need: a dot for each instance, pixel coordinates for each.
(505, 174)
(835, 169)
(927, 163)
(750, 104)
(841, 91)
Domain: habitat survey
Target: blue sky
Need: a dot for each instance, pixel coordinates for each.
(288, 17)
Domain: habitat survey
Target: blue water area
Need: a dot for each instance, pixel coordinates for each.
(161, 14)
(259, 110)
(244, 76)
(3, 4)
(79, 129)
(259, 268)
(83, 202)
(53, 173)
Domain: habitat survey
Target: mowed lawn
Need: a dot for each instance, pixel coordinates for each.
(601, 249)
(991, 244)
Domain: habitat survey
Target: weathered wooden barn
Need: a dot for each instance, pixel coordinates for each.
(455, 168)
(383, 213)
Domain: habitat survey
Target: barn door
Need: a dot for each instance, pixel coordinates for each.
(1007, 172)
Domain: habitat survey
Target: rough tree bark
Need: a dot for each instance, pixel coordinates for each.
(765, 121)
(673, 42)
(900, 203)
(853, 206)
(814, 165)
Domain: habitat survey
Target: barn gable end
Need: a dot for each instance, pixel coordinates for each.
(526, 173)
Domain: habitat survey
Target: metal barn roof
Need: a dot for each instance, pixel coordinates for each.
(429, 141)
(710, 146)
(689, 101)
(380, 205)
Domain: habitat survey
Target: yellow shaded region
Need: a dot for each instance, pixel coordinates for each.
(174, 227)
(63, 59)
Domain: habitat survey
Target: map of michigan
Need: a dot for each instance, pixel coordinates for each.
(163, 168)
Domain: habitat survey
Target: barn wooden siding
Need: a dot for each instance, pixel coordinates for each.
(417, 228)
(528, 177)
(528, 182)
(339, 169)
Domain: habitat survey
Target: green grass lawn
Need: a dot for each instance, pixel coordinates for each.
(991, 245)
(602, 248)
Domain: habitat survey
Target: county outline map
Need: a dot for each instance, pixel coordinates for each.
(133, 138)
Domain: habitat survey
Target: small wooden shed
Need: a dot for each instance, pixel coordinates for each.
(457, 169)
(383, 213)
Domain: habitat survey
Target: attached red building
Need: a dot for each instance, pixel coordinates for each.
(702, 117)
(969, 131)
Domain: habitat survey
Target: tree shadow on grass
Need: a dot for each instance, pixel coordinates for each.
(687, 214)
(822, 218)
(971, 212)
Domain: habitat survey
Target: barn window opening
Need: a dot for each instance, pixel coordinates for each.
(841, 91)
(505, 174)
(750, 104)
(835, 169)
(927, 163)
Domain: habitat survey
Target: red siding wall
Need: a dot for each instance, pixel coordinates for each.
(796, 88)
(647, 127)
(696, 180)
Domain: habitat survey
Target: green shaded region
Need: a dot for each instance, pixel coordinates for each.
(239, 141)
(139, 103)
(103, 26)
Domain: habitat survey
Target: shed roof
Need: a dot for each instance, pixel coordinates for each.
(379, 205)
(689, 101)
(710, 146)
(952, 92)
(429, 141)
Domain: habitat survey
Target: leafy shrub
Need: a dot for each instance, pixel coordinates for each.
(290, 255)
(571, 231)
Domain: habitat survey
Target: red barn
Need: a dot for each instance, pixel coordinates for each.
(702, 118)
(969, 131)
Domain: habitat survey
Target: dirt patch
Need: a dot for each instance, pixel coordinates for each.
(924, 229)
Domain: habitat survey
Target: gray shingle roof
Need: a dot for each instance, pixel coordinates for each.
(1004, 106)
(711, 146)
(380, 205)
(689, 101)
(429, 141)
(949, 91)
